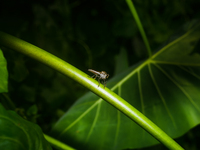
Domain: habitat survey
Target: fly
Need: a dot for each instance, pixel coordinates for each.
(101, 75)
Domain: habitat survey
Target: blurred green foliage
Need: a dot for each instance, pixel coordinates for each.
(87, 34)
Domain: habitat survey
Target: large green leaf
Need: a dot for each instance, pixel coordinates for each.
(19, 134)
(3, 74)
(165, 88)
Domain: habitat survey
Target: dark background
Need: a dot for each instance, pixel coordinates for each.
(86, 34)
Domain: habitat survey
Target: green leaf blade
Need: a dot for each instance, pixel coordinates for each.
(17, 133)
(3, 74)
(182, 50)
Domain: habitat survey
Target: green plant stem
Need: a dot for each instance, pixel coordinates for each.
(137, 19)
(57, 143)
(82, 78)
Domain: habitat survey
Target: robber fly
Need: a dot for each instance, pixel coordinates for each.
(101, 75)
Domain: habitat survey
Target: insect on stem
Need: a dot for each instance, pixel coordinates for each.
(101, 75)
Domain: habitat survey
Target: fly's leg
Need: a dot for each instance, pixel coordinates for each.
(104, 83)
(99, 79)
(94, 76)
(99, 82)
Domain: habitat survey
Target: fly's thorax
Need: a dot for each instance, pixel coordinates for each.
(103, 75)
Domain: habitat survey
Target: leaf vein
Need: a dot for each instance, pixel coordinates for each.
(161, 95)
(180, 87)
